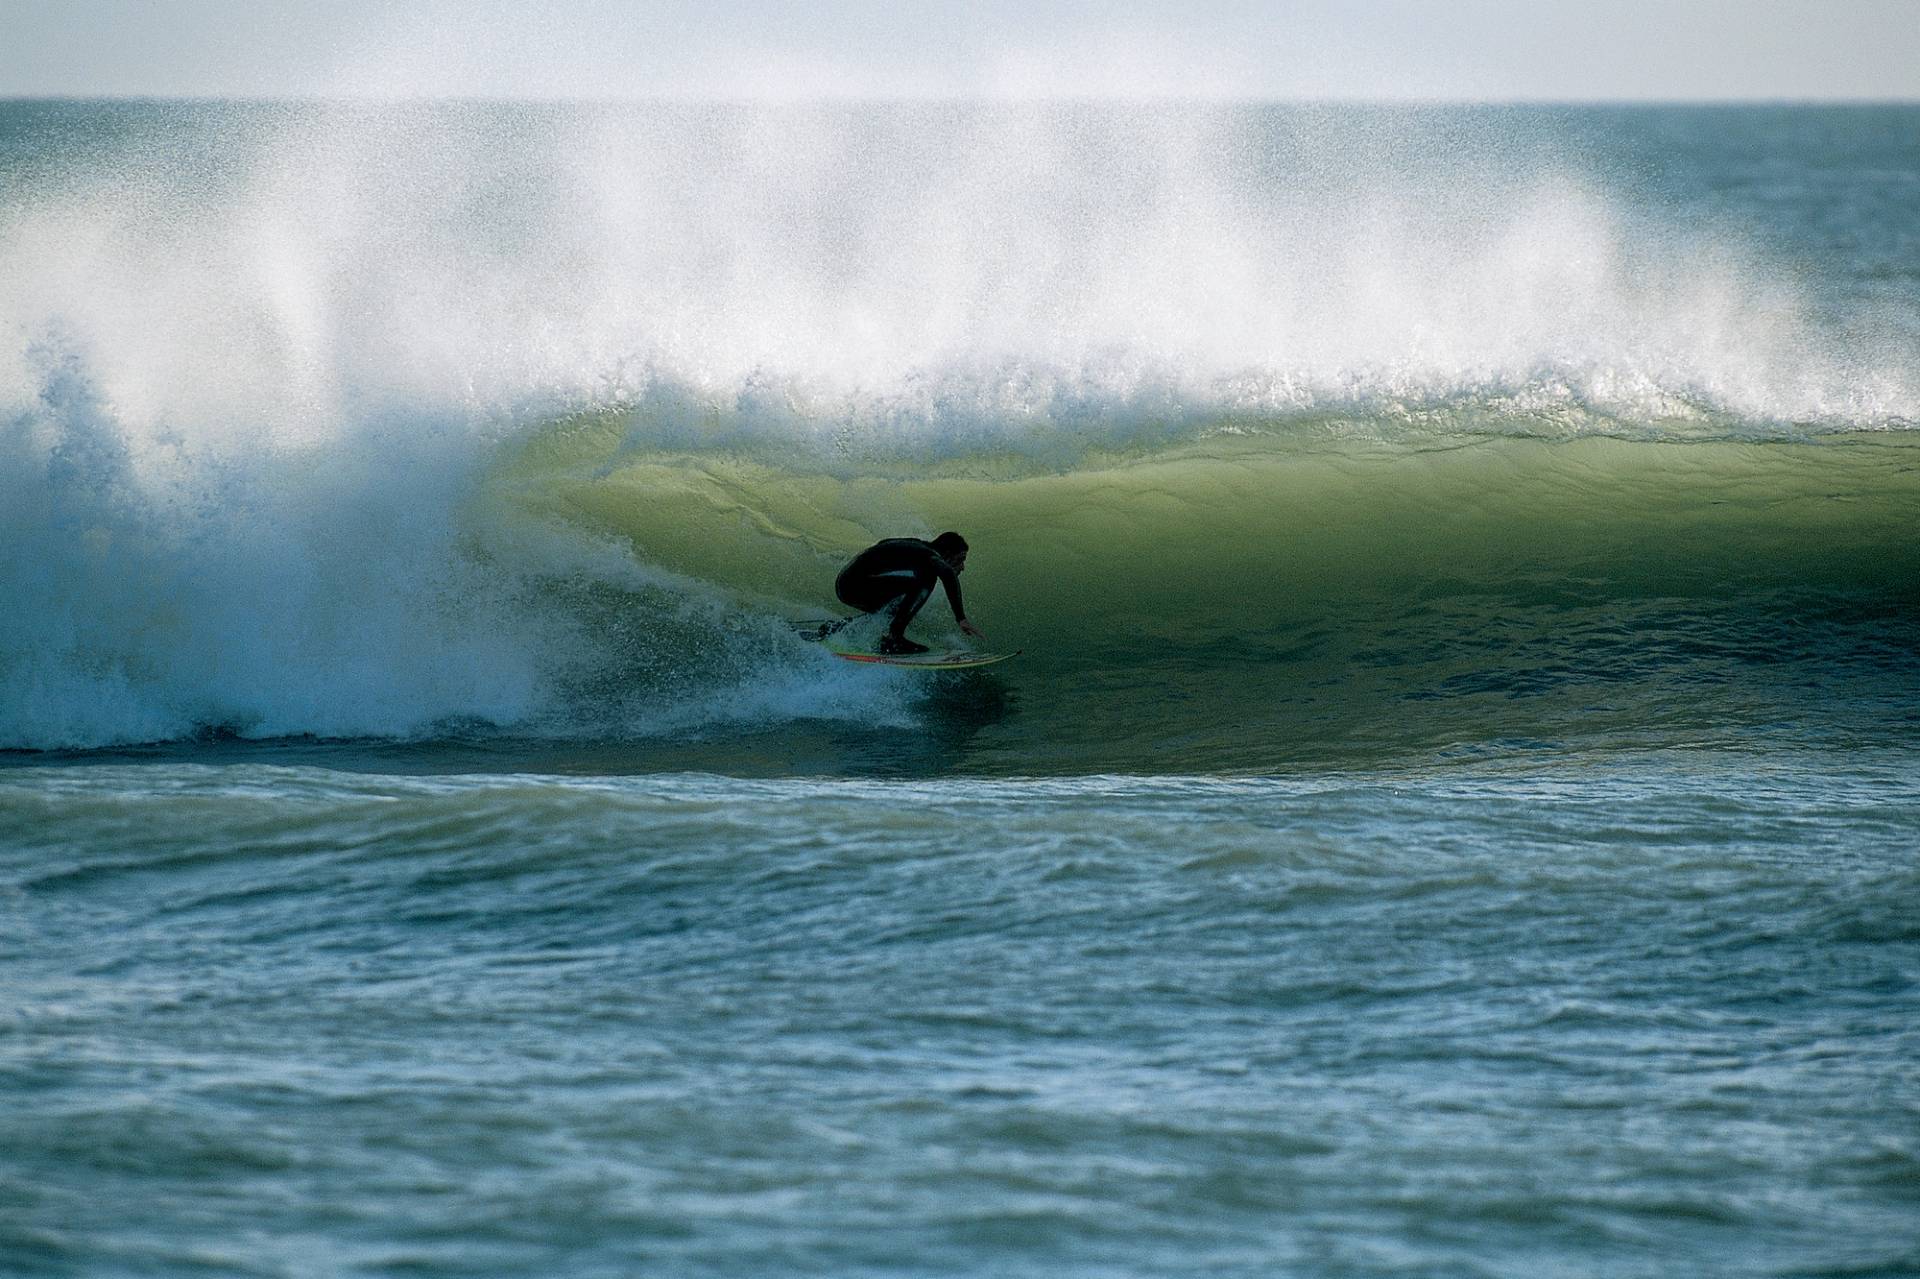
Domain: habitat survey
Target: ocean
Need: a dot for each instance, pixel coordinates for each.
(1455, 810)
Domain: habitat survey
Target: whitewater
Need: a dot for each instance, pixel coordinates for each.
(1453, 814)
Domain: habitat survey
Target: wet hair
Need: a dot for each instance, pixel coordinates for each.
(950, 545)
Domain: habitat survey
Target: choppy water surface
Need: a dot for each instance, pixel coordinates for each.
(1455, 813)
(286, 1020)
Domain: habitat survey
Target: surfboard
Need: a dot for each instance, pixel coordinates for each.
(831, 634)
(952, 660)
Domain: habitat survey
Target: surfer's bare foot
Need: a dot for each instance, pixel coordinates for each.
(899, 645)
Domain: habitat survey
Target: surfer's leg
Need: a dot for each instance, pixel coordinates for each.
(910, 602)
(900, 594)
(873, 592)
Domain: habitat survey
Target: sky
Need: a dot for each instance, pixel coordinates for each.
(1476, 50)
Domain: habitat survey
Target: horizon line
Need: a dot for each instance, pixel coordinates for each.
(966, 99)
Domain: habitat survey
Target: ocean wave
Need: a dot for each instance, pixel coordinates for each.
(608, 576)
(401, 422)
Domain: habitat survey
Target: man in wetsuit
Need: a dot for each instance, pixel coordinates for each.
(899, 574)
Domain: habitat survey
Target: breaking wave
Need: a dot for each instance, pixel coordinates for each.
(416, 421)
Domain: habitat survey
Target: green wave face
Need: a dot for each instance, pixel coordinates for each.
(1264, 594)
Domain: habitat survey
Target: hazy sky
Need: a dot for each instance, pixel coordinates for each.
(1473, 49)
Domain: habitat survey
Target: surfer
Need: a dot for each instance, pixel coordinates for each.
(900, 573)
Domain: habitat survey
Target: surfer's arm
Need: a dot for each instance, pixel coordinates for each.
(951, 580)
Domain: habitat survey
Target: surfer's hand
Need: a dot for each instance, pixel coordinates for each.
(971, 629)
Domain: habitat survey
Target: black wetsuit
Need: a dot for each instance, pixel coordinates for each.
(900, 572)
